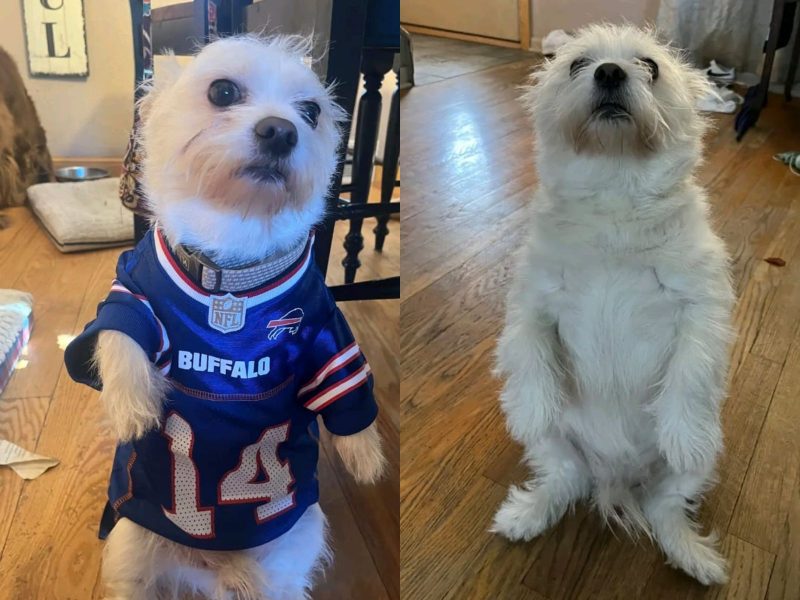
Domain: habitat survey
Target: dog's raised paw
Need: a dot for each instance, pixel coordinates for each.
(362, 454)
(133, 428)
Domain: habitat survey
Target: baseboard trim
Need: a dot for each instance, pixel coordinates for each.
(464, 37)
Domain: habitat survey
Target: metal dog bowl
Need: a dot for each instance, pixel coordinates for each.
(80, 174)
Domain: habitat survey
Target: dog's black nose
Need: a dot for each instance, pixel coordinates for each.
(609, 75)
(276, 136)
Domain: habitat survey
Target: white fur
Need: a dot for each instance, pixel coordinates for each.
(193, 153)
(193, 149)
(140, 565)
(362, 454)
(615, 348)
(132, 388)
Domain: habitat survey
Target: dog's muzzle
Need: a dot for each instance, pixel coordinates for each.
(609, 80)
(265, 172)
(609, 76)
(611, 110)
(276, 137)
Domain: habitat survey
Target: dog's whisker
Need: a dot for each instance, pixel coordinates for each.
(191, 141)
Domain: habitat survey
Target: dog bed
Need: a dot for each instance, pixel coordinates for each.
(82, 215)
(16, 321)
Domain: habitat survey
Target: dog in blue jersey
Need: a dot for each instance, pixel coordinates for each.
(219, 345)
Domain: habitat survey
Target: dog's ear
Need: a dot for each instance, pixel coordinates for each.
(164, 77)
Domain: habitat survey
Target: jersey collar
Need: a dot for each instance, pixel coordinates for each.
(273, 278)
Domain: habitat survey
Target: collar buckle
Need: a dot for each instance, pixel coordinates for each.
(196, 264)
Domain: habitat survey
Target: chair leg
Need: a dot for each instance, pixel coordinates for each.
(140, 227)
(771, 47)
(787, 90)
(391, 156)
(374, 64)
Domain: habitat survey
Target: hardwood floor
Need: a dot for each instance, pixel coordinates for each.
(438, 58)
(467, 152)
(48, 527)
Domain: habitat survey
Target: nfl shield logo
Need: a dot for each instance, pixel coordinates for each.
(226, 313)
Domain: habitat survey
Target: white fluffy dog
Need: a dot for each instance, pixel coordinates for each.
(240, 147)
(615, 347)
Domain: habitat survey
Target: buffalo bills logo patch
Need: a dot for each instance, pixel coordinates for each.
(290, 323)
(226, 313)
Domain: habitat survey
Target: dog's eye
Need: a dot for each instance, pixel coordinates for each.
(309, 110)
(577, 65)
(223, 92)
(652, 66)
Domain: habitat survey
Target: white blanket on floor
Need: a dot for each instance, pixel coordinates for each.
(82, 215)
(15, 322)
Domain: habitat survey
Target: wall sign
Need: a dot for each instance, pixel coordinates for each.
(55, 33)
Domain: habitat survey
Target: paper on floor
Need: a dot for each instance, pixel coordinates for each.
(26, 464)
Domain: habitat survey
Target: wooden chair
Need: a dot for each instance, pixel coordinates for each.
(363, 36)
(391, 159)
(780, 31)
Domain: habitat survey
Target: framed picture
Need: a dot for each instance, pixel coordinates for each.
(55, 33)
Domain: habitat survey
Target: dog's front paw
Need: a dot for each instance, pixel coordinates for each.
(133, 390)
(691, 446)
(130, 423)
(528, 415)
(362, 454)
(134, 408)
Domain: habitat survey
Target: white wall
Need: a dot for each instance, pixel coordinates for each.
(88, 117)
(547, 15)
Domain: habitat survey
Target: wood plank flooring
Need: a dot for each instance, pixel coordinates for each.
(467, 152)
(48, 527)
(438, 58)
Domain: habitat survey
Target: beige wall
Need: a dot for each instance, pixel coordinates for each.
(82, 117)
(489, 18)
(547, 15)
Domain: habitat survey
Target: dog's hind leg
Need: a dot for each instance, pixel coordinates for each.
(297, 556)
(562, 477)
(668, 509)
(133, 563)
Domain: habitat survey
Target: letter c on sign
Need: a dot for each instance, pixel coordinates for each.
(46, 4)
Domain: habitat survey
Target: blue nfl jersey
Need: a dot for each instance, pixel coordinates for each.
(234, 464)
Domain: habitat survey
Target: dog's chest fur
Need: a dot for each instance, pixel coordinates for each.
(616, 323)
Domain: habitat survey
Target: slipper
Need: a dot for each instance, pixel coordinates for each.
(717, 72)
(790, 158)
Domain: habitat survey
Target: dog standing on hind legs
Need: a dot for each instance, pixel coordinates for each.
(219, 344)
(615, 347)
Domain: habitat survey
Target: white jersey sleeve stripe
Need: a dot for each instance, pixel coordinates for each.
(339, 389)
(164, 344)
(338, 361)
